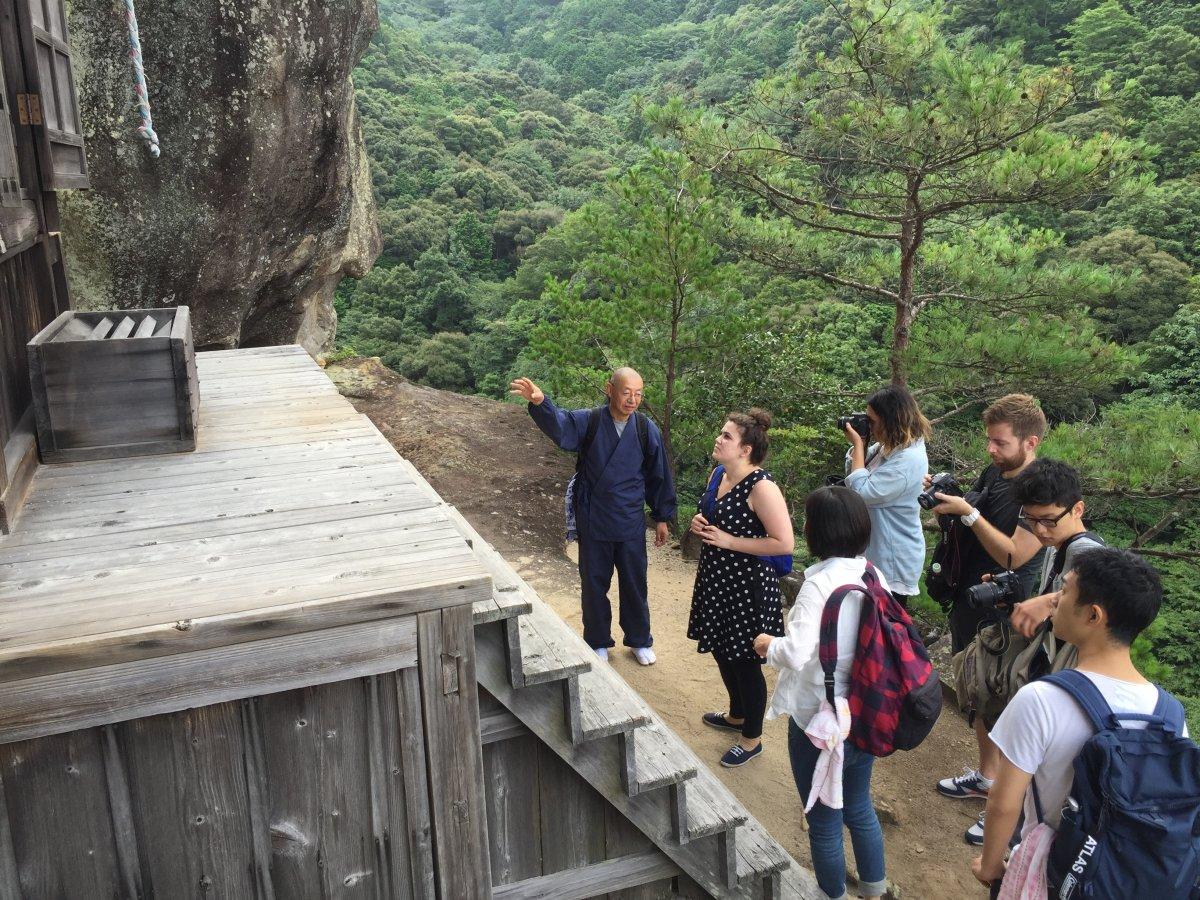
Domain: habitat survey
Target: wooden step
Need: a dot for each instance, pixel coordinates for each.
(709, 808)
(600, 704)
(501, 605)
(543, 648)
(758, 854)
(653, 758)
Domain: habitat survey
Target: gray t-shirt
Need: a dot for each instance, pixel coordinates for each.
(620, 426)
(1051, 580)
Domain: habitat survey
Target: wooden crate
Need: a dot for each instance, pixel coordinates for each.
(113, 384)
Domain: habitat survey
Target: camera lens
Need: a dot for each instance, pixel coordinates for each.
(986, 595)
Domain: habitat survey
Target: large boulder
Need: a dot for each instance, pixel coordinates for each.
(261, 200)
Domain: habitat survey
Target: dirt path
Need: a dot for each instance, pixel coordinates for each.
(490, 461)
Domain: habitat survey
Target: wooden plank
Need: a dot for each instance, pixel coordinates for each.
(605, 708)
(72, 700)
(660, 758)
(10, 877)
(56, 794)
(190, 802)
(121, 804)
(417, 815)
(101, 329)
(259, 823)
(593, 880)
(500, 725)
(123, 330)
(451, 712)
(572, 822)
(145, 327)
(513, 801)
(621, 841)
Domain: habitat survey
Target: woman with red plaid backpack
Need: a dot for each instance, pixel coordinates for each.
(837, 527)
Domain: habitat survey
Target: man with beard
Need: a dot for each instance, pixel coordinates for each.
(989, 540)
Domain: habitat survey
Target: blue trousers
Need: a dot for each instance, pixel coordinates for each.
(825, 824)
(597, 559)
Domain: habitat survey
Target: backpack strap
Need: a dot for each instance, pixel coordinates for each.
(1170, 711)
(642, 422)
(589, 437)
(827, 648)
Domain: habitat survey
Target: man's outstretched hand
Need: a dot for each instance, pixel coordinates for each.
(523, 387)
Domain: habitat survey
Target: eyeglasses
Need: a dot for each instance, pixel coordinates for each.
(1034, 521)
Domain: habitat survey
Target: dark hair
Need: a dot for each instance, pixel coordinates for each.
(900, 419)
(753, 424)
(836, 523)
(1124, 585)
(1047, 482)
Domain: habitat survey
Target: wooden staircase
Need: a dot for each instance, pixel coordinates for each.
(531, 661)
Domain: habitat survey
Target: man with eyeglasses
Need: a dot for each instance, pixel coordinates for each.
(1052, 509)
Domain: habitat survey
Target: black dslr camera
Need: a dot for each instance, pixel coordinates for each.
(859, 422)
(942, 483)
(1004, 591)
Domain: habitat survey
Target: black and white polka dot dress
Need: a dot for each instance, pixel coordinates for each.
(736, 597)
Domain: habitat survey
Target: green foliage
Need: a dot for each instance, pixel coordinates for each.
(1173, 360)
(880, 166)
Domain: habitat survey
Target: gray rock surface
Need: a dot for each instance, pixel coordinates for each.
(261, 200)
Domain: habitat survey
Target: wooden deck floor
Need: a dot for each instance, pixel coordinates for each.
(293, 514)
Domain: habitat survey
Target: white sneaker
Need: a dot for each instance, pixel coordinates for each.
(645, 656)
(602, 652)
(974, 834)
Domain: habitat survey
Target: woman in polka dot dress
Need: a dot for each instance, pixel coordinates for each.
(736, 596)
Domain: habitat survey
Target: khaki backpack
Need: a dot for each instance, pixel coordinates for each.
(998, 663)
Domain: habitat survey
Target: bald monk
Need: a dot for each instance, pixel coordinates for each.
(620, 470)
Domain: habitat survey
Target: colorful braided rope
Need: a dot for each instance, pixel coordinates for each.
(146, 129)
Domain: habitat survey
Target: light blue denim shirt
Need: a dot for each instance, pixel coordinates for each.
(890, 490)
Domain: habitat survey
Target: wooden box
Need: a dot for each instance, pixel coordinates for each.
(114, 384)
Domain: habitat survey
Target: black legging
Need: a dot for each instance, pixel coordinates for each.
(747, 693)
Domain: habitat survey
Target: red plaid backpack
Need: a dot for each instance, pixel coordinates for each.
(895, 695)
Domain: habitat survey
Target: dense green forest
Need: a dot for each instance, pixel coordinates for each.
(788, 203)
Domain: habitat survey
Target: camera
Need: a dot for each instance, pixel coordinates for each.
(942, 483)
(1004, 591)
(859, 422)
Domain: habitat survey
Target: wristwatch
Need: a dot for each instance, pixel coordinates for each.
(970, 518)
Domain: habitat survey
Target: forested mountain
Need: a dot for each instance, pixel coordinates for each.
(787, 203)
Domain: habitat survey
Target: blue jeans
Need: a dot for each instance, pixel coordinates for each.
(825, 824)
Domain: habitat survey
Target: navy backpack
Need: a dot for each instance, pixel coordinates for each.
(780, 565)
(1131, 827)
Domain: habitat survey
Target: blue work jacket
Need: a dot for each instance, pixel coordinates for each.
(615, 484)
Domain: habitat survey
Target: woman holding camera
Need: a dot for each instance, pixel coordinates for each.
(736, 596)
(888, 476)
(837, 527)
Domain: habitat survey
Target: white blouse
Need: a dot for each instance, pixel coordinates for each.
(801, 685)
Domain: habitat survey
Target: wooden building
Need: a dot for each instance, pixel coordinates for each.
(280, 665)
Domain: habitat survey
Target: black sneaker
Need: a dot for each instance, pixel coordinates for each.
(737, 756)
(969, 784)
(718, 720)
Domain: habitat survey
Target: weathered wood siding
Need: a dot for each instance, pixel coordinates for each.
(27, 305)
(544, 819)
(319, 792)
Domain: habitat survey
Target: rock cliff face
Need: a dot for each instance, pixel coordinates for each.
(261, 200)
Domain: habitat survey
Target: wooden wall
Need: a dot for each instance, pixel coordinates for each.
(27, 305)
(320, 792)
(544, 819)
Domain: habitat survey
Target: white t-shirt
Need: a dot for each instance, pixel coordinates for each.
(1043, 729)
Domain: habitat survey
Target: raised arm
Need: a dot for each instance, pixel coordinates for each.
(565, 427)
